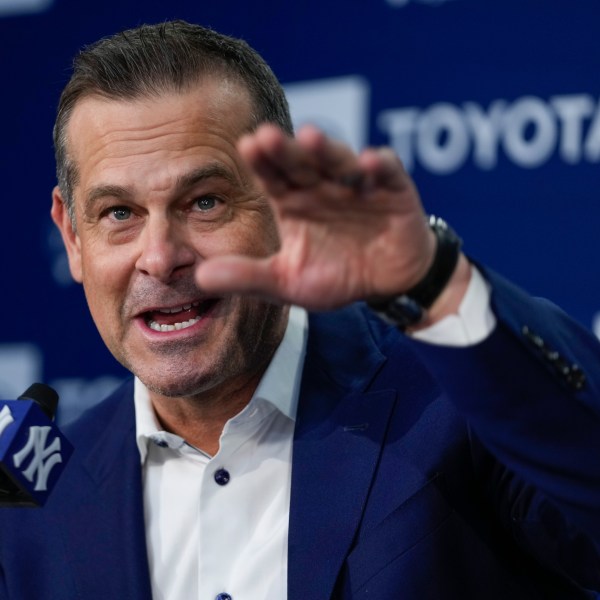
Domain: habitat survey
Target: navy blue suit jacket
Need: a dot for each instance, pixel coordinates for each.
(419, 472)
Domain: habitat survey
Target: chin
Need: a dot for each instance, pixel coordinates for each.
(174, 376)
(177, 387)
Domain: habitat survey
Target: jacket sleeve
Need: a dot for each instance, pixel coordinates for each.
(531, 395)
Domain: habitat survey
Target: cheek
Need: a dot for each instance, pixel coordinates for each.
(271, 234)
(256, 235)
(239, 238)
(105, 296)
(105, 278)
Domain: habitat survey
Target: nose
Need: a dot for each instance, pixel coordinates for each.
(164, 249)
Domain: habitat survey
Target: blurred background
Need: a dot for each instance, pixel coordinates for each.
(494, 105)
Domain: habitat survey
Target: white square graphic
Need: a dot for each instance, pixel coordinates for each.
(339, 106)
(23, 7)
(20, 366)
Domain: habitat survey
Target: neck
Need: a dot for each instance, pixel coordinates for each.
(200, 419)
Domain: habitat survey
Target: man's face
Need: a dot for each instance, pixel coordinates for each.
(161, 188)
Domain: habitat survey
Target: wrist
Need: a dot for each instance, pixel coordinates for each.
(451, 297)
(438, 288)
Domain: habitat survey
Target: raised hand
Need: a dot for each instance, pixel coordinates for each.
(351, 226)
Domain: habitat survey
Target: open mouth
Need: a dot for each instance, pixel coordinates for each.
(178, 317)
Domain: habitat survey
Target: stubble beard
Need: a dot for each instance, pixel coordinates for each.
(242, 358)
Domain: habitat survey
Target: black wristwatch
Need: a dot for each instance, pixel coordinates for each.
(410, 308)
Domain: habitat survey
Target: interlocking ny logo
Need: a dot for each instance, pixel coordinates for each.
(6, 419)
(45, 457)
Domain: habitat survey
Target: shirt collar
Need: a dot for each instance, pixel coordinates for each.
(278, 388)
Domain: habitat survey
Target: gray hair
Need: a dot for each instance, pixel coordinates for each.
(153, 59)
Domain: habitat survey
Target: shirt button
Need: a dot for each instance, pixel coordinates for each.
(159, 441)
(223, 597)
(222, 477)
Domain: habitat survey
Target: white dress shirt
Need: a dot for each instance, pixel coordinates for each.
(473, 322)
(217, 527)
(209, 540)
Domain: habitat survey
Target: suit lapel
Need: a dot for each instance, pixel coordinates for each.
(339, 434)
(108, 509)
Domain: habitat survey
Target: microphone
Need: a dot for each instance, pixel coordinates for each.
(33, 452)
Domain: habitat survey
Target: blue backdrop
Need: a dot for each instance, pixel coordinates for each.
(493, 105)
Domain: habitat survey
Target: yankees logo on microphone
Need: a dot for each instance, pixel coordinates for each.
(33, 452)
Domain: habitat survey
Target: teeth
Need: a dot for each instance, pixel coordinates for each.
(178, 309)
(176, 326)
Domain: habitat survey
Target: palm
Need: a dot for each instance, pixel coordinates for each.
(350, 227)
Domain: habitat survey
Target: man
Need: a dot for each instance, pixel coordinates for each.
(266, 453)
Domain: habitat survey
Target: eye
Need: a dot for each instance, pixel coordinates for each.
(120, 213)
(206, 203)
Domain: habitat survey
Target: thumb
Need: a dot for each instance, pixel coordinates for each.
(238, 275)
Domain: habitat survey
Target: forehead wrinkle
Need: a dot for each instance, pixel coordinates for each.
(209, 171)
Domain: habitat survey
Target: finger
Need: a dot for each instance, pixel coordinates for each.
(238, 275)
(337, 161)
(270, 177)
(279, 161)
(302, 162)
(383, 168)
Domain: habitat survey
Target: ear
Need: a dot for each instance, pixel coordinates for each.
(61, 217)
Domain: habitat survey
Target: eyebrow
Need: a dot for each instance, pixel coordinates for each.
(182, 183)
(102, 191)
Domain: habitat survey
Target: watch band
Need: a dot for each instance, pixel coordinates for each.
(409, 308)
